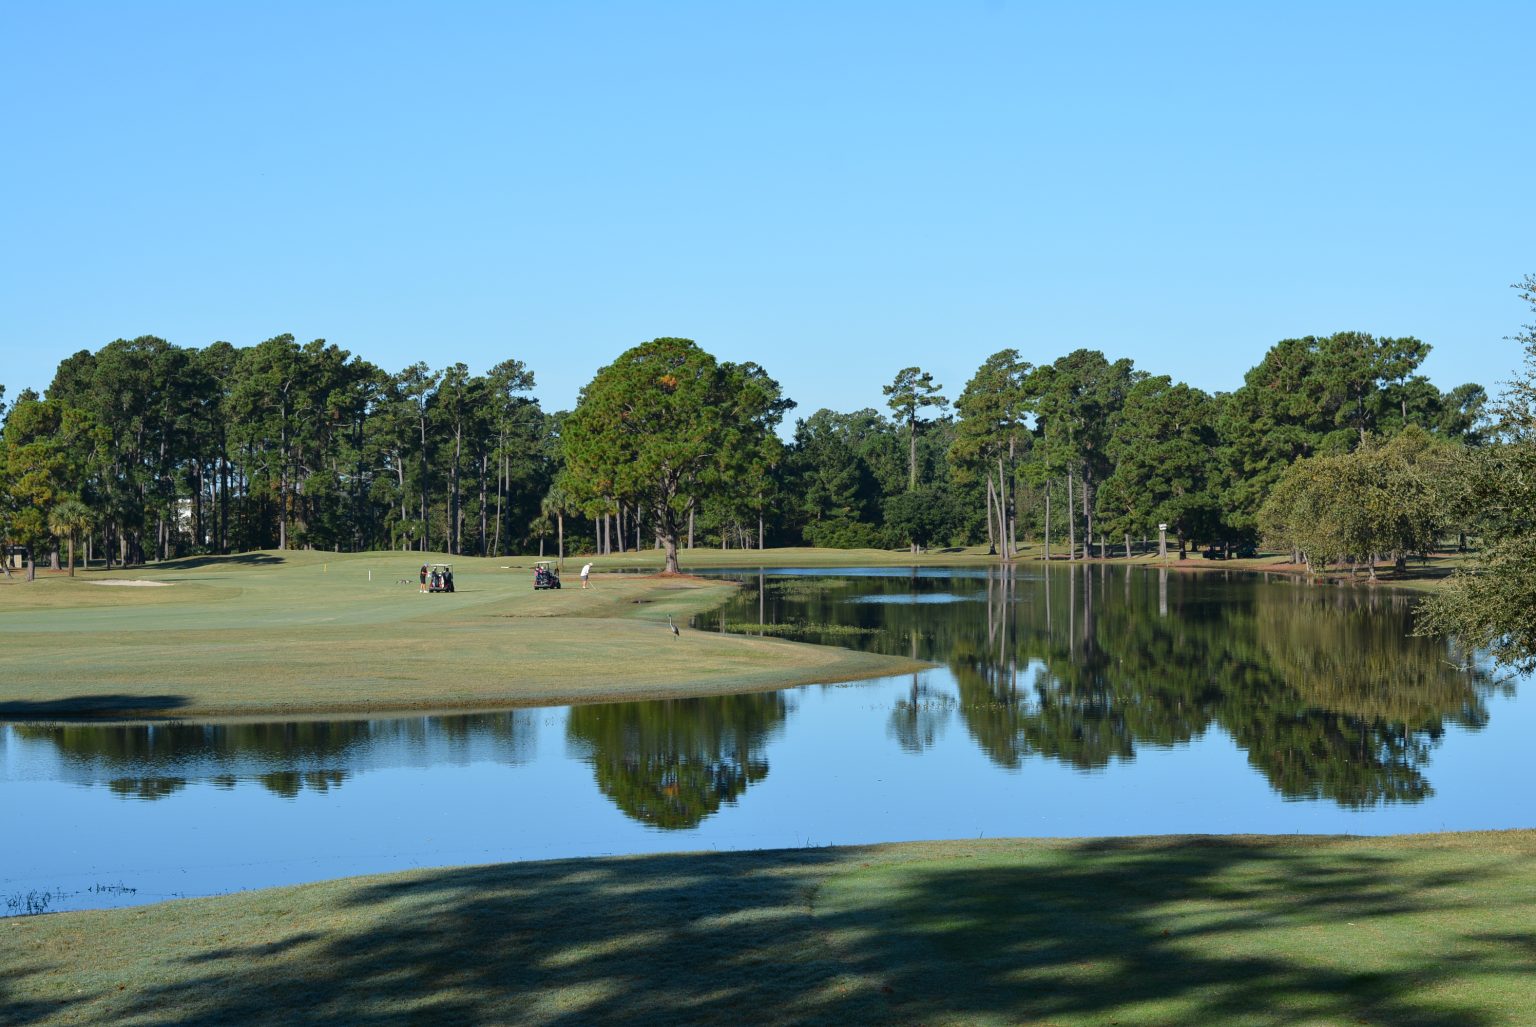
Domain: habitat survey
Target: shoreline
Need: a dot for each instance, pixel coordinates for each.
(1442, 567)
(186, 653)
(312, 636)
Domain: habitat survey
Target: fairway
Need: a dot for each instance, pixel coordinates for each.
(265, 634)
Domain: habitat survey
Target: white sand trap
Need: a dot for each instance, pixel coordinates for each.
(132, 582)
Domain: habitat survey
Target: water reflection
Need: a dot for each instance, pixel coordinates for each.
(918, 721)
(155, 761)
(1072, 702)
(1325, 689)
(672, 763)
(146, 787)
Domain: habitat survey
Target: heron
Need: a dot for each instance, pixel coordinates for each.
(675, 633)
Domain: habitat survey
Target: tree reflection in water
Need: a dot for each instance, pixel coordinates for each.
(154, 761)
(918, 721)
(672, 763)
(146, 787)
(1324, 688)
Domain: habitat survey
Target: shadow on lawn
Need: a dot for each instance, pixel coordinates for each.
(1204, 931)
(14, 1009)
(233, 560)
(139, 707)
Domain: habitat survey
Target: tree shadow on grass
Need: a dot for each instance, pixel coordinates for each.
(93, 707)
(233, 560)
(15, 1009)
(1205, 931)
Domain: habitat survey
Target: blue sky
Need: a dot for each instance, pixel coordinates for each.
(835, 191)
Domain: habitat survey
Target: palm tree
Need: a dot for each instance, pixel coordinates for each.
(67, 520)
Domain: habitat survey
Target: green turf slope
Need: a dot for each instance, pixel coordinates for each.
(1431, 930)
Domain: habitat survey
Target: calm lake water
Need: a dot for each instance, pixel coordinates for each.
(1068, 702)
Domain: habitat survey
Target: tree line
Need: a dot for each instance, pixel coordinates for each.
(1334, 447)
(146, 450)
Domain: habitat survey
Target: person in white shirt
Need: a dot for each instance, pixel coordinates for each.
(586, 572)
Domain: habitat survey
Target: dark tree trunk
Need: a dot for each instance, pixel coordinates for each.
(991, 524)
(1071, 522)
(1047, 541)
(912, 452)
(484, 524)
(455, 504)
(1002, 511)
(1011, 513)
(501, 485)
(422, 485)
(1087, 518)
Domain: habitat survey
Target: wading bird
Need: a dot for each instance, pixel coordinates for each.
(675, 633)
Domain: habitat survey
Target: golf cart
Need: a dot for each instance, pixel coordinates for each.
(545, 575)
(439, 577)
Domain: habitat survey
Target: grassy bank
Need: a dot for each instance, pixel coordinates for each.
(1419, 576)
(276, 634)
(1233, 930)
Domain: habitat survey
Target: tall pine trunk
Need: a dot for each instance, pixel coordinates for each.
(484, 521)
(422, 485)
(912, 452)
(1013, 522)
(991, 524)
(1071, 522)
(1047, 522)
(1087, 519)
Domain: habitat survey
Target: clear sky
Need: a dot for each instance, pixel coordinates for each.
(833, 190)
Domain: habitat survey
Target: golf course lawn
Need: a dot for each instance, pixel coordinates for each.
(277, 634)
(1430, 929)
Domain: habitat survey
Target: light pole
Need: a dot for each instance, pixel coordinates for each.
(1162, 541)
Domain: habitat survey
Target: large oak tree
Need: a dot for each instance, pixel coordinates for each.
(667, 426)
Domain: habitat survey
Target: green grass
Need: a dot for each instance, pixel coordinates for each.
(1433, 930)
(277, 634)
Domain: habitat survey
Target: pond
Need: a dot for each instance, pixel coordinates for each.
(1065, 702)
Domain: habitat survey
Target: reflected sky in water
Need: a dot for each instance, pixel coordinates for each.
(1069, 703)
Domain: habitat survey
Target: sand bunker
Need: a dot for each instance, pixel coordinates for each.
(131, 582)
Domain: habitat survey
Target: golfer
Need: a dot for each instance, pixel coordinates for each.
(586, 572)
